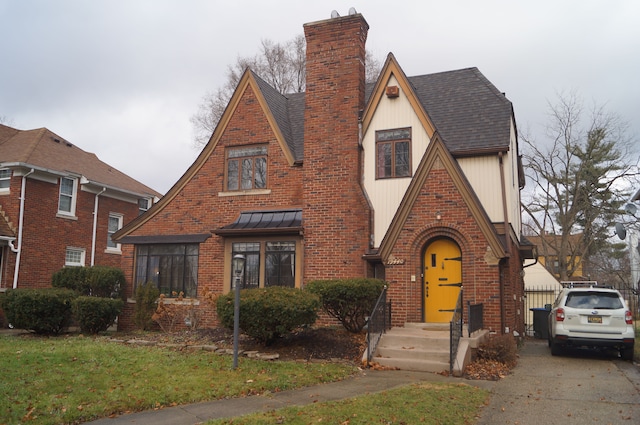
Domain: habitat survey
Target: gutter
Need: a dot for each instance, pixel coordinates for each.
(95, 226)
(23, 189)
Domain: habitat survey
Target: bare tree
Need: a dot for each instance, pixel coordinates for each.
(283, 66)
(581, 177)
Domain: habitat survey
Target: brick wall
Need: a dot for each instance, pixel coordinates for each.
(46, 236)
(335, 211)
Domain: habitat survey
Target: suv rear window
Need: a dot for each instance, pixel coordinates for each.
(601, 300)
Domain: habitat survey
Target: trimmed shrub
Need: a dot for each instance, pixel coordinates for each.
(96, 314)
(96, 281)
(348, 300)
(269, 313)
(44, 311)
(146, 297)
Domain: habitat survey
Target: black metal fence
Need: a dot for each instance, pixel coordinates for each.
(475, 317)
(378, 323)
(535, 299)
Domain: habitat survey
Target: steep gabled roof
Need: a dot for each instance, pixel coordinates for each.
(46, 150)
(471, 115)
(437, 155)
(278, 111)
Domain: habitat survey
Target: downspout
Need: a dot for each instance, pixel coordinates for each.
(95, 226)
(23, 189)
(506, 236)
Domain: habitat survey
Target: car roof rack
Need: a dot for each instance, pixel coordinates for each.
(583, 284)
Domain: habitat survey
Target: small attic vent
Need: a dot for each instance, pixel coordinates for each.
(393, 91)
(56, 140)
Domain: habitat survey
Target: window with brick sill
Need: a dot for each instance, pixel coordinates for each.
(246, 168)
(173, 268)
(115, 224)
(268, 263)
(393, 153)
(67, 196)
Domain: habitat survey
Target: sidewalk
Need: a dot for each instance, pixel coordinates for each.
(369, 381)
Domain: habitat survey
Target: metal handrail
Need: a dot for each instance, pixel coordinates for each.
(455, 332)
(378, 323)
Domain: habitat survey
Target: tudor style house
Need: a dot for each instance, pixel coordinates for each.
(59, 206)
(415, 180)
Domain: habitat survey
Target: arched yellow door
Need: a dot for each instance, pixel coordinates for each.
(442, 280)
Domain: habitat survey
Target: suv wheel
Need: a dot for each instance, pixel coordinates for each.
(626, 353)
(556, 349)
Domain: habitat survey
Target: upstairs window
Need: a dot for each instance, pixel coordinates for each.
(115, 224)
(246, 168)
(5, 179)
(143, 205)
(393, 153)
(67, 200)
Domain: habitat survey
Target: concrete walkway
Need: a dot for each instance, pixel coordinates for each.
(366, 382)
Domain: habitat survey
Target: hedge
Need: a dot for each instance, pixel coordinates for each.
(269, 313)
(43, 311)
(96, 314)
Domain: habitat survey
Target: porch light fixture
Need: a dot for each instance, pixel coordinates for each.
(238, 270)
(438, 216)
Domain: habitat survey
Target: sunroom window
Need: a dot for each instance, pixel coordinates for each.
(173, 268)
(268, 263)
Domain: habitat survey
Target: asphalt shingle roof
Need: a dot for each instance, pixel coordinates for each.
(471, 114)
(44, 149)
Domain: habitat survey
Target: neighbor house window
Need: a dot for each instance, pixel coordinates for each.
(393, 153)
(143, 205)
(172, 268)
(74, 257)
(268, 263)
(5, 179)
(247, 168)
(115, 224)
(67, 200)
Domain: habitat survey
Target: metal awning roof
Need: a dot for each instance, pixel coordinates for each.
(256, 222)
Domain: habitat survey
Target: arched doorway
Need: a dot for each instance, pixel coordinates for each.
(442, 280)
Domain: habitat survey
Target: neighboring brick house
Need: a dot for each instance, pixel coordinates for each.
(415, 180)
(59, 206)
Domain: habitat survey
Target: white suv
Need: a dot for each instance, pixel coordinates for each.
(591, 315)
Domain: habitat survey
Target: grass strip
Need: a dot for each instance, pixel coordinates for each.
(75, 379)
(428, 403)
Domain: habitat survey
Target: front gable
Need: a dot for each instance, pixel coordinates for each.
(207, 173)
(429, 196)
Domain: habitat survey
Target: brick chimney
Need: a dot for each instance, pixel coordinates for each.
(336, 215)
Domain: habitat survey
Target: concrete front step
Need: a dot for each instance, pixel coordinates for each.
(416, 346)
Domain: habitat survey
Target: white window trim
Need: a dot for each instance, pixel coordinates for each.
(5, 190)
(74, 197)
(118, 248)
(83, 256)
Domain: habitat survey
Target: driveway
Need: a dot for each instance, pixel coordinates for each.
(580, 387)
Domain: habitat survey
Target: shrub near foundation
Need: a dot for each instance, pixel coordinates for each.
(269, 313)
(96, 314)
(348, 300)
(44, 311)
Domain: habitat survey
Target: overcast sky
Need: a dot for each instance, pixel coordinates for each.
(121, 78)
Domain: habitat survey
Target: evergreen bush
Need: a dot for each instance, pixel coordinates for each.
(146, 296)
(96, 314)
(350, 301)
(44, 311)
(96, 281)
(269, 313)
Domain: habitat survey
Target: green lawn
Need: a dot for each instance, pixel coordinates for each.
(76, 379)
(427, 403)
